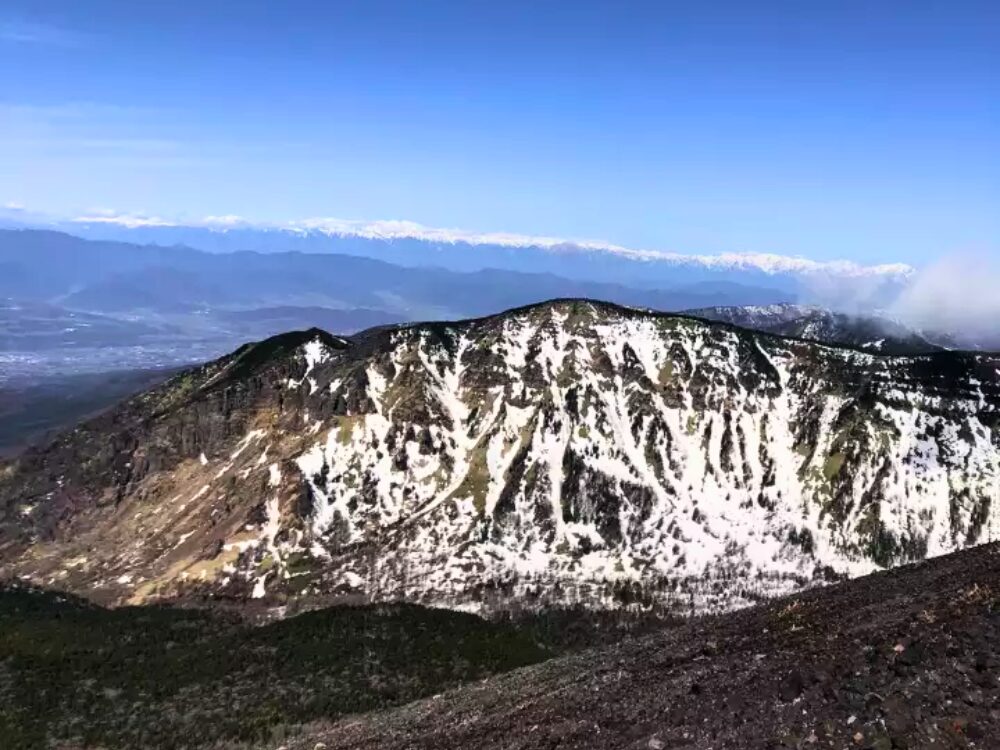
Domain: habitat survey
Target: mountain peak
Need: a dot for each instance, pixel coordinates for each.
(565, 451)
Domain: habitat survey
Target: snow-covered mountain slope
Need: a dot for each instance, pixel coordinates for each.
(571, 451)
(872, 333)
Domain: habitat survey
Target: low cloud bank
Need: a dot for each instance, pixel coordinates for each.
(959, 295)
(860, 295)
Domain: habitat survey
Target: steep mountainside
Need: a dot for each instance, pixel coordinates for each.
(569, 451)
(871, 333)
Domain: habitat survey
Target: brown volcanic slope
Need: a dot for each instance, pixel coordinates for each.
(903, 659)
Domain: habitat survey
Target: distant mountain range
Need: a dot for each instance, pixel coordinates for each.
(116, 277)
(413, 245)
(60, 290)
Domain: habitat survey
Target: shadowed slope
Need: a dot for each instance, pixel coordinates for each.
(904, 659)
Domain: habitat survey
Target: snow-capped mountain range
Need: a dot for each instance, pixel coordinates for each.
(570, 451)
(411, 244)
(394, 230)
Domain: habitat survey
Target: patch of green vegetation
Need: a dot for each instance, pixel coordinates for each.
(299, 563)
(251, 358)
(476, 482)
(178, 390)
(832, 466)
(531, 480)
(406, 384)
(157, 677)
(580, 315)
(885, 547)
(885, 438)
(803, 449)
(583, 432)
(667, 373)
(819, 486)
(869, 524)
(345, 428)
(567, 376)
(692, 424)
(673, 324)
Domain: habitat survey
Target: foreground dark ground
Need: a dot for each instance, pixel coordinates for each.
(904, 659)
(73, 674)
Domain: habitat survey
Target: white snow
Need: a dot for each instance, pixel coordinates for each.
(702, 478)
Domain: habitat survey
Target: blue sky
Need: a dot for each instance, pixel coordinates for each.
(867, 131)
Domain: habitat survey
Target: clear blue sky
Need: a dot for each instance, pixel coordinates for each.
(868, 131)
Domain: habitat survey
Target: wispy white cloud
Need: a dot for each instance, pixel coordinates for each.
(102, 145)
(68, 133)
(127, 220)
(229, 220)
(29, 32)
(74, 110)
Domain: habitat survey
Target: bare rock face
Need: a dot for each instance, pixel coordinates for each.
(567, 452)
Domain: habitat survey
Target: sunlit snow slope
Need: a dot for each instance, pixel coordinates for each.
(571, 451)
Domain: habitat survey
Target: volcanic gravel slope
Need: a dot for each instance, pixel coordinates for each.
(902, 659)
